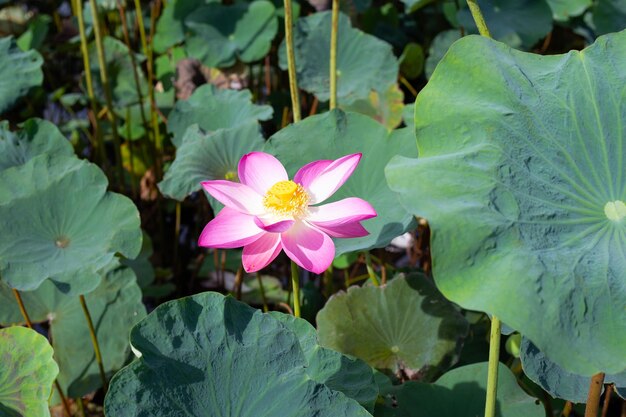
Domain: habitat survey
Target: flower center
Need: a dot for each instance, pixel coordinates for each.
(615, 210)
(286, 198)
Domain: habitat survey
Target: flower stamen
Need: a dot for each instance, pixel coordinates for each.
(286, 198)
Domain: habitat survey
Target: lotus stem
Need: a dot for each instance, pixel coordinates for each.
(142, 28)
(492, 371)
(567, 409)
(104, 77)
(478, 18)
(291, 63)
(99, 143)
(94, 341)
(608, 391)
(29, 324)
(370, 269)
(593, 398)
(157, 145)
(295, 285)
(262, 289)
(334, 29)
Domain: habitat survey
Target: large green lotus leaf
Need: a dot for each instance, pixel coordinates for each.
(335, 134)
(213, 109)
(518, 23)
(521, 177)
(562, 10)
(209, 156)
(223, 33)
(115, 306)
(120, 72)
(27, 372)
(19, 71)
(141, 265)
(170, 28)
(357, 72)
(609, 16)
(59, 222)
(460, 392)
(338, 372)
(406, 327)
(557, 381)
(35, 137)
(212, 355)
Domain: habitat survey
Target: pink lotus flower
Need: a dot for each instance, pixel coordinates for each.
(267, 212)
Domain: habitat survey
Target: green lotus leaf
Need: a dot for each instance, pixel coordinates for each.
(412, 60)
(338, 372)
(26, 374)
(209, 354)
(36, 34)
(115, 306)
(413, 5)
(59, 222)
(524, 192)
(120, 72)
(385, 107)
(170, 28)
(35, 137)
(214, 109)
(408, 116)
(460, 392)
(19, 71)
(438, 49)
(357, 73)
(272, 290)
(336, 134)
(223, 33)
(608, 16)
(209, 156)
(406, 327)
(562, 10)
(557, 381)
(518, 23)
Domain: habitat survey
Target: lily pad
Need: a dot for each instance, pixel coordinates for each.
(27, 373)
(385, 107)
(608, 16)
(557, 381)
(335, 134)
(64, 226)
(19, 72)
(524, 190)
(562, 10)
(438, 49)
(209, 354)
(406, 327)
(170, 28)
(115, 306)
(209, 156)
(338, 372)
(35, 137)
(225, 33)
(460, 392)
(357, 72)
(141, 265)
(212, 109)
(120, 72)
(518, 23)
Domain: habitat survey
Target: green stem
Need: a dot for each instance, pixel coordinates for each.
(370, 269)
(593, 398)
(333, 54)
(99, 145)
(29, 324)
(295, 285)
(291, 62)
(81, 407)
(94, 341)
(142, 28)
(262, 289)
(104, 77)
(156, 133)
(478, 18)
(492, 372)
